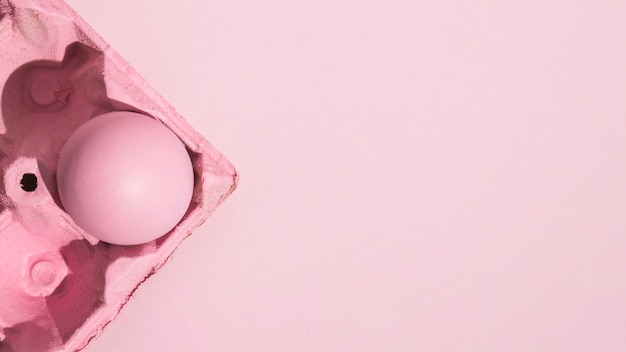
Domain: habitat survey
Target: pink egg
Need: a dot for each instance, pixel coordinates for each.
(125, 178)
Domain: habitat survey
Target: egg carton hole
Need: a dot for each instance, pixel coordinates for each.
(29, 182)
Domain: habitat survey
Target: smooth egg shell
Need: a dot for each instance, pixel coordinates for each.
(125, 178)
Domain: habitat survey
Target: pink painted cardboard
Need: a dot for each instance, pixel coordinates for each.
(61, 286)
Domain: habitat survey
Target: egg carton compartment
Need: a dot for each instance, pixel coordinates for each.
(60, 285)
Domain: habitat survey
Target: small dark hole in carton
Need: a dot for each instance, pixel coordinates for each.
(29, 182)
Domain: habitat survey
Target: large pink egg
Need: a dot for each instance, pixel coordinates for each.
(125, 178)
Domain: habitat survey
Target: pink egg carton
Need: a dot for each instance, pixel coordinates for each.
(59, 286)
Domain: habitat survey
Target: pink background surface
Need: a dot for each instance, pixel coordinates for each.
(415, 175)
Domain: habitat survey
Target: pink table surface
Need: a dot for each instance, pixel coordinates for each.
(415, 175)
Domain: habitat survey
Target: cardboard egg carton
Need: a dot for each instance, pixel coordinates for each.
(60, 286)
